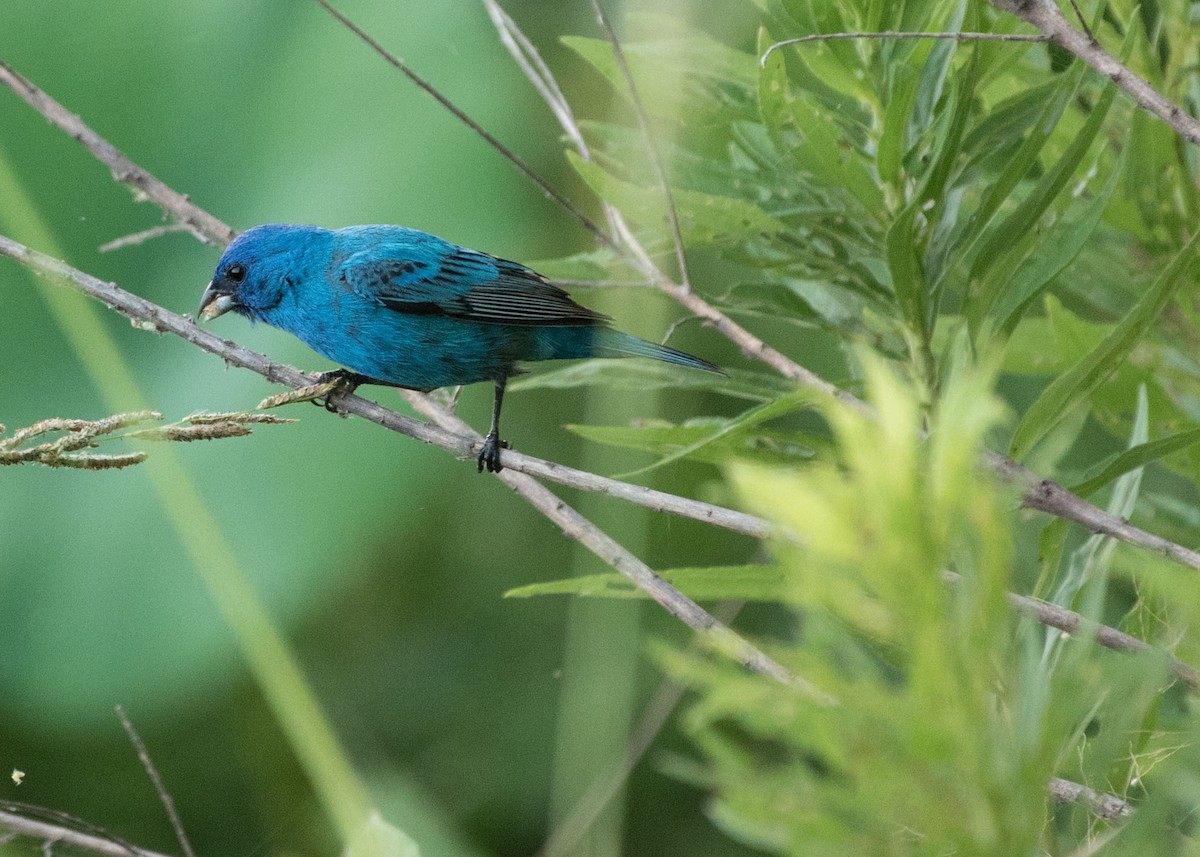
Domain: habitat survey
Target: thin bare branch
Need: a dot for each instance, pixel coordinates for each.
(539, 74)
(199, 222)
(1104, 805)
(152, 772)
(143, 236)
(1087, 31)
(1077, 625)
(1050, 22)
(18, 817)
(601, 544)
(1046, 496)
(548, 189)
(893, 34)
(656, 159)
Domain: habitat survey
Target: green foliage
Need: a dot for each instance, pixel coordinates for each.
(1001, 249)
(936, 206)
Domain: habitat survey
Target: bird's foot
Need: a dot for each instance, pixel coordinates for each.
(335, 385)
(489, 453)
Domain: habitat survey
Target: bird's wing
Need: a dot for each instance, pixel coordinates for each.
(445, 279)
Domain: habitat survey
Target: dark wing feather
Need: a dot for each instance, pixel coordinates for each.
(444, 279)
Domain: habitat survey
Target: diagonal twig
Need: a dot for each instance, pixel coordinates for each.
(200, 223)
(62, 828)
(604, 546)
(152, 772)
(656, 159)
(548, 189)
(1046, 18)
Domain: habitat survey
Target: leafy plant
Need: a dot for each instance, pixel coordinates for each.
(939, 207)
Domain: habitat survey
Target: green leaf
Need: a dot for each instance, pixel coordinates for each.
(688, 74)
(598, 265)
(810, 134)
(1056, 249)
(785, 404)
(708, 583)
(908, 280)
(1019, 164)
(1052, 343)
(644, 375)
(995, 241)
(704, 218)
(1000, 246)
(1073, 387)
(661, 438)
(895, 124)
(1135, 457)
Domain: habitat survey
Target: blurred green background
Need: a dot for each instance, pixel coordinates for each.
(477, 722)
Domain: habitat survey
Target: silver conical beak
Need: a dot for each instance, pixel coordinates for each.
(214, 303)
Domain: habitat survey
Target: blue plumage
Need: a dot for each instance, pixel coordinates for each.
(405, 308)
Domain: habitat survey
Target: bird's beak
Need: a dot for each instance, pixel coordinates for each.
(214, 303)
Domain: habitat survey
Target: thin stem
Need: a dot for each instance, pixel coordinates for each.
(893, 34)
(548, 189)
(199, 222)
(164, 796)
(656, 160)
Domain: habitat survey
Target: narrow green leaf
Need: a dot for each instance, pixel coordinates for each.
(1019, 165)
(895, 124)
(1074, 386)
(709, 583)
(1025, 217)
(1135, 457)
(785, 404)
(642, 375)
(908, 279)
(684, 74)
(598, 264)
(705, 219)
(1056, 249)
(811, 134)
(660, 438)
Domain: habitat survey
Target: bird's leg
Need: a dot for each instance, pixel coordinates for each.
(489, 453)
(345, 381)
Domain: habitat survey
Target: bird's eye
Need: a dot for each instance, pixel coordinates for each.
(235, 273)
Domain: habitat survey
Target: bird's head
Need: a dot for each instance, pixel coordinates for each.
(253, 272)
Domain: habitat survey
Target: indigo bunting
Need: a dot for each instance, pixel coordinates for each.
(404, 308)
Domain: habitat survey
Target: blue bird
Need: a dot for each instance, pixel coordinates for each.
(404, 308)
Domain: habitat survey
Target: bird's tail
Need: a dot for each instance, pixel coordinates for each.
(614, 343)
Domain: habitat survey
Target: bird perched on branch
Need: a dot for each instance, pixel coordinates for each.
(404, 308)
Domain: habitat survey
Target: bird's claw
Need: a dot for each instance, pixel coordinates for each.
(343, 384)
(489, 453)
